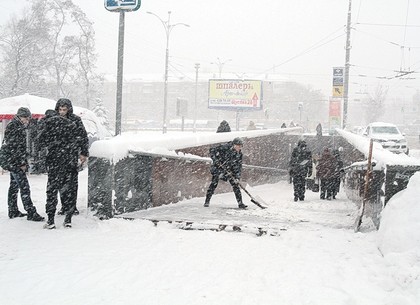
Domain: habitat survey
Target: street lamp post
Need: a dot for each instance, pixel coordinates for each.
(168, 28)
(197, 66)
(220, 65)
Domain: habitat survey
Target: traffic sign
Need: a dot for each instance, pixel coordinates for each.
(122, 5)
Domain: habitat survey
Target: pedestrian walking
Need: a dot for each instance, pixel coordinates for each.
(223, 127)
(227, 166)
(325, 172)
(300, 168)
(15, 153)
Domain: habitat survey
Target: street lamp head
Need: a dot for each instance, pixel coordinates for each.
(180, 23)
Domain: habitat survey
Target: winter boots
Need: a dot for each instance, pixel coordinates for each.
(15, 214)
(242, 206)
(67, 221)
(34, 216)
(50, 222)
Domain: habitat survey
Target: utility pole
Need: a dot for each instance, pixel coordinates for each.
(197, 66)
(347, 68)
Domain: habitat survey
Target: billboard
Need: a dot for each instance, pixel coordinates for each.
(235, 94)
(335, 113)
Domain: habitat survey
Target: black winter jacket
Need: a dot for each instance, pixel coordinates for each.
(226, 158)
(58, 137)
(14, 144)
(301, 161)
(81, 144)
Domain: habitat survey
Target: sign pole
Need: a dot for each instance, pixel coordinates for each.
(120, 73)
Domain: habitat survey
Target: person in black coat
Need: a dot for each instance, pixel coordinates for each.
(15, 147)
(57, 137)
(41, 152)
(223, 127)
(227, 165)
(300, 168)
(319, 130)
(80, 148)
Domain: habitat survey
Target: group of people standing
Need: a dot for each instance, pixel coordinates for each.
(64, 138)
(324, 171)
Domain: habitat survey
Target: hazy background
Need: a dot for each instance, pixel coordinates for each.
(301, 40)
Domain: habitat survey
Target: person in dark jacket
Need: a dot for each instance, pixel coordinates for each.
(319, 130)
(58, 138)
(300, 168)
(80, 148)
(338, 172)
(41, 152)
(15, 146)
(227, 165)
(325, 171)
(223, 127)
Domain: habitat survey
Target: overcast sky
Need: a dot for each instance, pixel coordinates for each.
(299, 40)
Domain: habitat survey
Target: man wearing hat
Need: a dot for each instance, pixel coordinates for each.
(15, 147)
(227, 165)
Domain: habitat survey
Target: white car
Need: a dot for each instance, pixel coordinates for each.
(388, 135)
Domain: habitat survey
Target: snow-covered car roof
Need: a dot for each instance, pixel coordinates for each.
(374, 124)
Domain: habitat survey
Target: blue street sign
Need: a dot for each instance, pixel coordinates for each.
(119, 5)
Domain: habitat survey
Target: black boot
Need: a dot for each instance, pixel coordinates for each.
(67, 221)
(50, 222)
(242, 206)
(15, 214)
(34, 216)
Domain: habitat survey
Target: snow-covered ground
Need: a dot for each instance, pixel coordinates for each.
(318, 259)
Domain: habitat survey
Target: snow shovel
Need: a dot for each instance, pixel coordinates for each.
(254, 200)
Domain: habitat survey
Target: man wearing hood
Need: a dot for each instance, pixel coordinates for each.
(14, 147)
(67, 133)
(300, 168)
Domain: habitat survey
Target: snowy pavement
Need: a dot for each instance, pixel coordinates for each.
(281, 213)
(318, 259)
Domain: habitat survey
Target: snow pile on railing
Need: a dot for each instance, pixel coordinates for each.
(156, 142)
(382, 156)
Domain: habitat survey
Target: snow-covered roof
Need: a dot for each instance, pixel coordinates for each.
(382, 156)
(156, 142)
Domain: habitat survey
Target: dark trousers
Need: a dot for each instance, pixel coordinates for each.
(336, 185)
(327, 188)
(215, 182)
(66, 183)
(299, 186)
(19, 181)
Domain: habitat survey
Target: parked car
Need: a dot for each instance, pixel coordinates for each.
(388, 135)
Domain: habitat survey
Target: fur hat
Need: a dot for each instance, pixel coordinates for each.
(23, 112)
(238, 141)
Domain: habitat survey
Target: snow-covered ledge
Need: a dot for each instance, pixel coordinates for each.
(382, 156)
(119, 147)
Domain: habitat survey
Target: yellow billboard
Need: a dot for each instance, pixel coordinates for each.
(235, 94)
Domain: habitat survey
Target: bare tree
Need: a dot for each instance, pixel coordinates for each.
(23, 47)
(375, 107)
(51, 49)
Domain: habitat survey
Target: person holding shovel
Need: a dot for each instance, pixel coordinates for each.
(227, 166)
